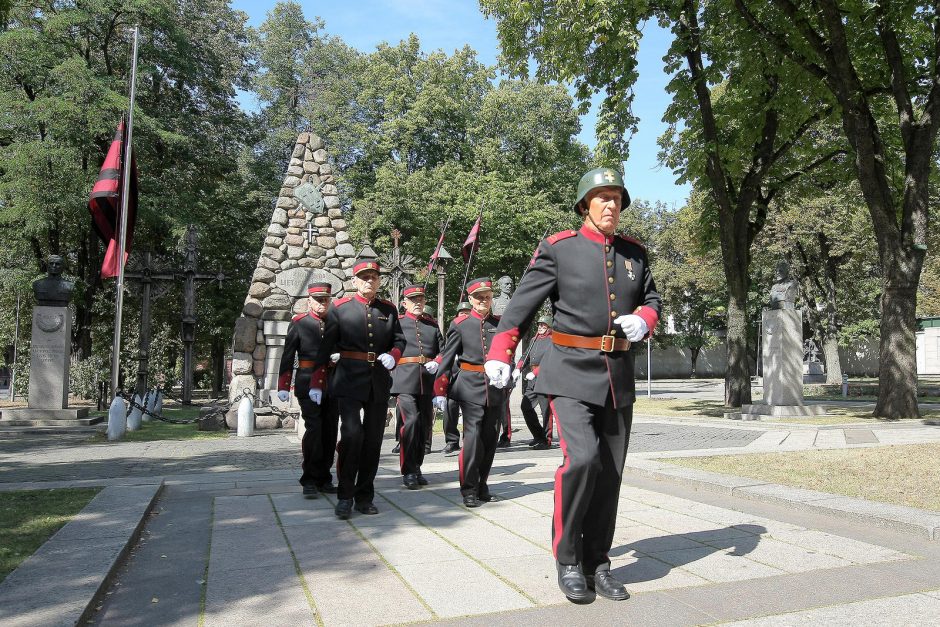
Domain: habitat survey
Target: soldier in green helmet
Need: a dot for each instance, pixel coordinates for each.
(528, 369)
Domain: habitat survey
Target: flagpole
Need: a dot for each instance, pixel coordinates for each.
(473, 248)
(440, 244)
(126, 166)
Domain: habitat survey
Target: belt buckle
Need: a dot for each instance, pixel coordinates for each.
(607, 343)
(370, 357)
(423, 360)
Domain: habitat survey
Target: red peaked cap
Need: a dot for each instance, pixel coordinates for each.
(316, 289)
(479, 285)
(413, 290)
(366, 264)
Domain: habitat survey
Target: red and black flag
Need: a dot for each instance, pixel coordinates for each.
(105, 204)
(472, 242)
(437, 251)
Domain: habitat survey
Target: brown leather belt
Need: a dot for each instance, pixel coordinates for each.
(471, 367)
(421, 359)
(604, 343)
(305, 363)
(369, 357)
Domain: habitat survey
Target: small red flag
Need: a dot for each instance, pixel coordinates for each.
(104, 203)
(472, 242)
(437, 252)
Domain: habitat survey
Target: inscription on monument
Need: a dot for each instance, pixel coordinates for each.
(295, 280)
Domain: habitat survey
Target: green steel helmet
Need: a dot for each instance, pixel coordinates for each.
(463, 306)
(545, 320)
(601, 177)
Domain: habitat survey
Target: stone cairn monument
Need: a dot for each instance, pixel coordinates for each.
(306, 241)
(782, 354)
(49, 354)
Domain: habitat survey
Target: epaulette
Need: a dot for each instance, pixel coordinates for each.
(560, 235)
(341, 301)
(298, 317)
(632, 240)
(460, 319)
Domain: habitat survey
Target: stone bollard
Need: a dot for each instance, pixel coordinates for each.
(117, 419)
(246, 418)
(158, 403)
(136, 415)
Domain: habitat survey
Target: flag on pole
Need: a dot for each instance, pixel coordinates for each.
(473, 241)
(104, 203)
(437, 251)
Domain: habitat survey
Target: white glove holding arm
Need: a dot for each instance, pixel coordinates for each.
(432, 367)
(529, 376)
(334, 357)
(498, 372)
(634, 327)
(316, 395)
(387, 360)
(516, 374)
(439, 402)
(283, 395)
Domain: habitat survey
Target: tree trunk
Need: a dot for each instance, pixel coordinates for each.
(218, 365)
(738, 375)
(830, 348)
(693, 354)
(897, 377)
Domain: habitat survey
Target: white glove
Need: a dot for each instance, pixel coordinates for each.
(516, 374)
(431, 366)
(498, 372)
(316, 395)
(439, 402)
(334, 357)
(634, 327)
(529, 376)
(283, 395)
(387, 360)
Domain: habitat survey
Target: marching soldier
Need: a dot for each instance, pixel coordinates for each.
(304, 339)
(452, 407)
(481, 404)
(366, 333)
(603, 298)
(413, 384)
(528, 368)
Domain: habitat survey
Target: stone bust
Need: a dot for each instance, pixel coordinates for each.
(505, 285)
(53, 290)
(784, 291)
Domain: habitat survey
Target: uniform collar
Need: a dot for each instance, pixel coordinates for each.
(408, 314)
(361, 299)
(473, 312)
(314, 316)
(595, 236)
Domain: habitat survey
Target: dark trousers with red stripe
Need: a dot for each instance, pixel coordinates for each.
(480, 425)
(416, 412)
(321, 426)
(594, 442)
(360, 442)
(541, 430)
(451, 416)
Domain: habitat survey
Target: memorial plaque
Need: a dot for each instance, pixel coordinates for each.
(296, 280)
(49, 358)
(310, 197)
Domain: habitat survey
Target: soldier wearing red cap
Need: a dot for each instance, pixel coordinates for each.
(366, 332)
(304, 339)
(413, 384)
(452, 407)
(481, 404)
(603, 298)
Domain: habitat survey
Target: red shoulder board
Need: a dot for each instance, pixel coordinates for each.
(632, 240)
(298, 317)
(341, 301)
(460, 319)
(560, 235)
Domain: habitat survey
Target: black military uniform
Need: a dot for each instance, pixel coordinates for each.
(304, 338)
(413, 386)
(452, 407)
(481, 404)
(592, 279)
(361, 331)
(531, 363)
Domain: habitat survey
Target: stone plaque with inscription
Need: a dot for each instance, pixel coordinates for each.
(295, 280)
(49, 358)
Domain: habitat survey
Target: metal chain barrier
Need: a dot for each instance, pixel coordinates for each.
(217, 408)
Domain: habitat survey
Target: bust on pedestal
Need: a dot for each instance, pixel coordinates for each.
(782, 354)
(48, 396)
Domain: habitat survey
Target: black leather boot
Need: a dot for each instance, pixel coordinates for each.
(572, 583)
(343, 508)
(605, 585)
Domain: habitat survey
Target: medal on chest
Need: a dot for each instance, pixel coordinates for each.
(628, 264)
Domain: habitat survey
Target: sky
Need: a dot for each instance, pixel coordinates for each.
(449, 25)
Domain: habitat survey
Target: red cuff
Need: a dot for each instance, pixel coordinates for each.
(396, 355)
(439, 358)
(283, 382)
(441, 384)
(650, 317)
(504, 346)
(519, 365)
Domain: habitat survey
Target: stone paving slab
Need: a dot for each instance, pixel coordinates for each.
(58, 584)
(908, 609)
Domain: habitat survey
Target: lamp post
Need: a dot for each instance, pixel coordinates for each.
(443, 258)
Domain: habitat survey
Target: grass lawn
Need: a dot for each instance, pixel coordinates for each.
(29, 517)
(902, 475)
(159, 430)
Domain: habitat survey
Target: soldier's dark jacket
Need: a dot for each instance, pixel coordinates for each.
(422, 338)
(304, 339)
(591, 279)
(541, 344)
(469, 338)
(355, 324)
